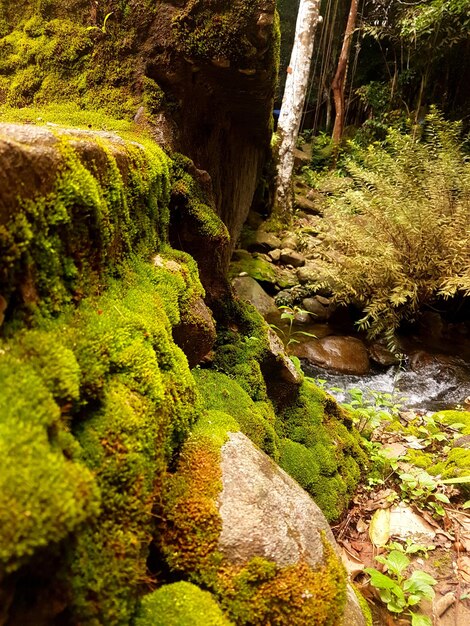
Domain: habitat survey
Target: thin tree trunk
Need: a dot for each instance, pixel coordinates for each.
(293, 100)
(339, 79)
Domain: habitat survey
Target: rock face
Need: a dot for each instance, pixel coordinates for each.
(225, 91)
(265, 513)
(343, 354)
(199, 75)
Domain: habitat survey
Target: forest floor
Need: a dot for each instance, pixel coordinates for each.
(414, 523)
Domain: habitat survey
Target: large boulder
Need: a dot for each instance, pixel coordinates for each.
(240, 525)
(265, 513)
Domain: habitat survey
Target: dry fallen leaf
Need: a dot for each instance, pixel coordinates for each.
(464, 568)
(379, 529)
(441, 605)
(405, 523)
(352, 564)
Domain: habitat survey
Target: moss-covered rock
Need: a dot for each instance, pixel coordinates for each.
(73, 206)
(180, 604)
(320, 449)
(252, 587)
(46, 492)
(449, 418)
(255, 419)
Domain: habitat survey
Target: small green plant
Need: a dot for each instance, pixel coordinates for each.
(410, 547)
(421, 488)
(369, 407)
(289, 313)
(398, 591)
(102, 28)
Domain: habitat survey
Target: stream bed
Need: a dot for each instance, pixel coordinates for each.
(435, 386)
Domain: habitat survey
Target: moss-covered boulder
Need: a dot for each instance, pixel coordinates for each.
(242, 527)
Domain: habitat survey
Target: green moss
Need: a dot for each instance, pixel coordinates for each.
(419, 458)
(51, 360)
(261, 592)
(112, 371)
(256, 419)
(192, 522)
(319, 450)
(44, 493)
(180, 604)
(67, 254)
(65, 114)
(220, 31)
(185, 191)
(153, 95)
(259, 269)
(454, 417)
(365, 608)
(242, 346)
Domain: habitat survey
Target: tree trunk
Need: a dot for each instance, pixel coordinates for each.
(293, 100)
(339, 79)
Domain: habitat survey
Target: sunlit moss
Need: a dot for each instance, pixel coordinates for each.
(180, 604)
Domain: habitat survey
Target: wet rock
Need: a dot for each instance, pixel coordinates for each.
(286, 279)
(288, 297)
(240, 255)
(382, 356)
(317, 308)
(262, 256)
(249, 289)
(342, 354)
(265, 513)
(263, 242)
(302, 317)
(291, 257)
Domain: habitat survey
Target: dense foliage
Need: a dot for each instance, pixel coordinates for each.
(398, 228)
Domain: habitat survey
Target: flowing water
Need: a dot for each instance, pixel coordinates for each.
(432, 387)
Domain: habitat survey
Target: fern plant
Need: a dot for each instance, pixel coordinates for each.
(398, 236)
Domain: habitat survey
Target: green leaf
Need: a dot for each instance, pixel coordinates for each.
(420, 620)
(442, 498)
(414, 599)
(396, 562)
(460, 480)
(379, 580)
(420, 584)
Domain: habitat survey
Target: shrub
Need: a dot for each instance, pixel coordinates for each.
(398, 236)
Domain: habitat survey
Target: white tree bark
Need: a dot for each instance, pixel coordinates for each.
(293, 100)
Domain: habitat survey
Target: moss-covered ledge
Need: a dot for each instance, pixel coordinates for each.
(73, 205)
(95, 396)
